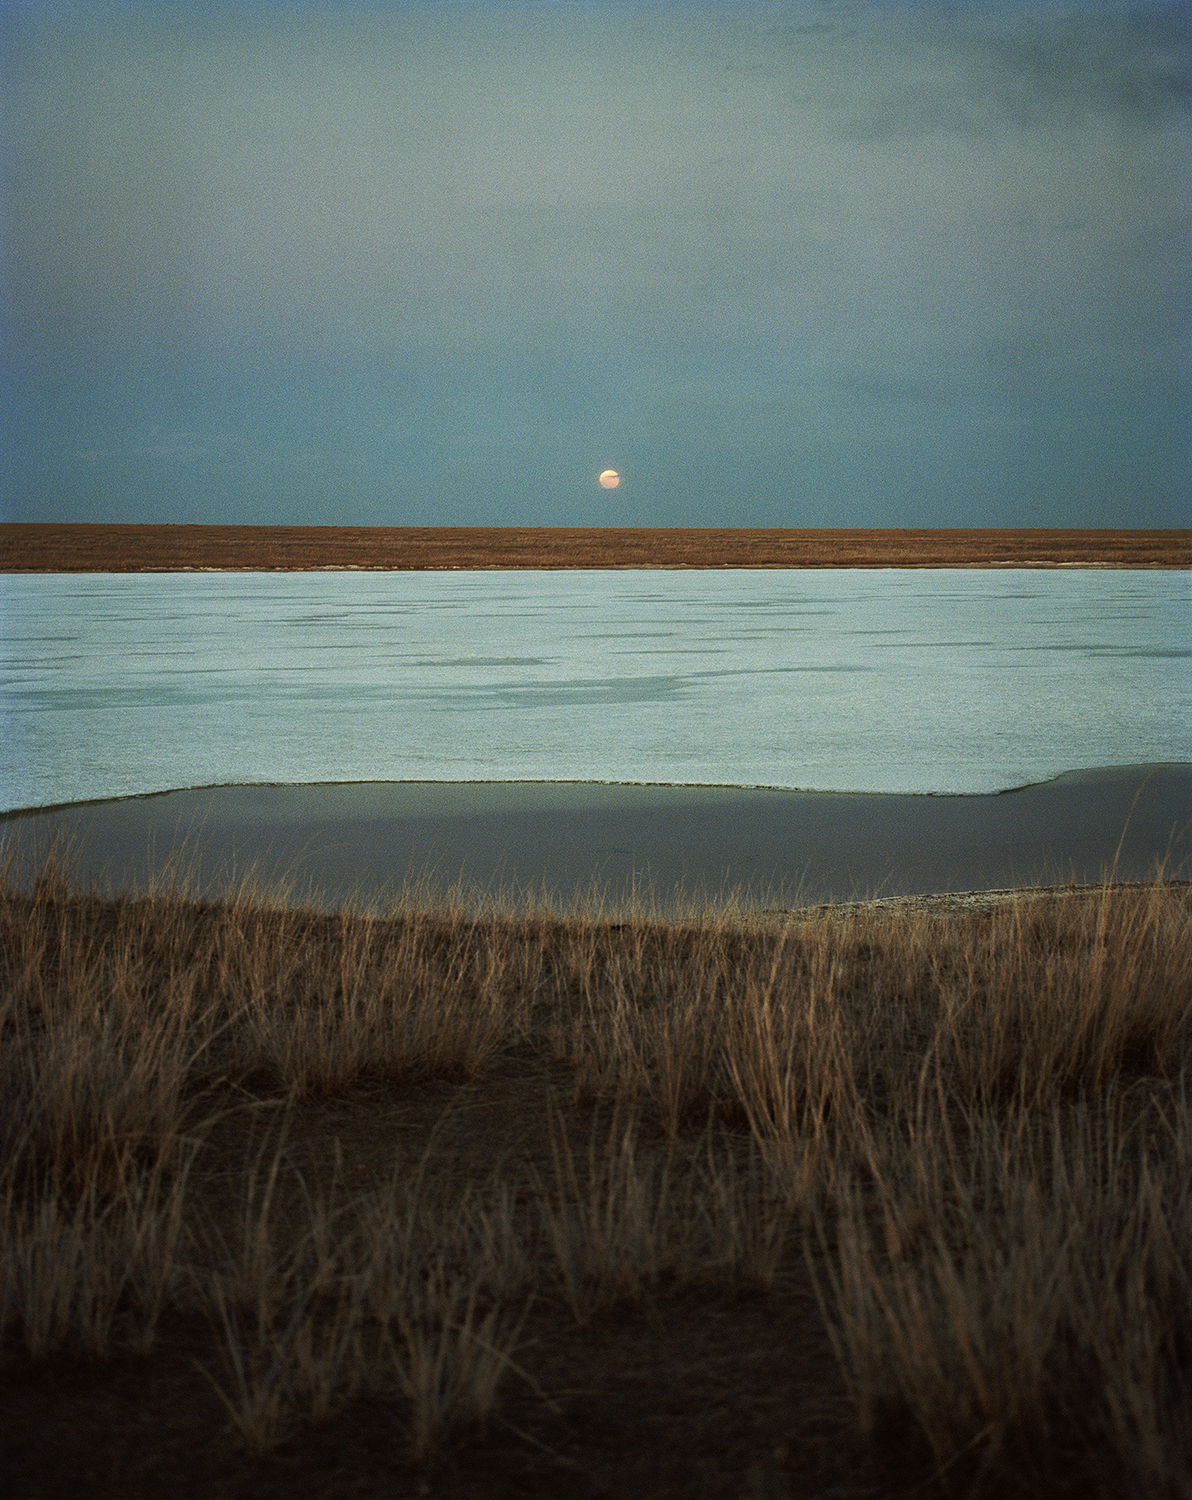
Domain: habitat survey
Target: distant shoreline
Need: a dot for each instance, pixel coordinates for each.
(102, 548)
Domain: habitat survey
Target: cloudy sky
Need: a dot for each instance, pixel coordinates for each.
(780, 264)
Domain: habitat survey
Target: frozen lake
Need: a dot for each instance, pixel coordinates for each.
(851, 680)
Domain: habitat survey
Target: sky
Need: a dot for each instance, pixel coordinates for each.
(778, 264)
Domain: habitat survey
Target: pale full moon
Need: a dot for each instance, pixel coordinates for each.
(610, 479)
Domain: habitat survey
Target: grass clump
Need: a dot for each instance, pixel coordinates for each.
(870, 1200)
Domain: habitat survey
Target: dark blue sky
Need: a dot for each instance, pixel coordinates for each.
(781, 264)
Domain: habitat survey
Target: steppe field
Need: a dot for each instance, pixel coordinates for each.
(866, 1201)
(103, 548)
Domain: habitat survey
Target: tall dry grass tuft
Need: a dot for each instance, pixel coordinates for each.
(631, 1219)
(1018, 1297)
(1004, 1257)
(1056, 998)
(95, 1054)
(392, 1293)
(87, 1269)
(449, 1355)
(321, 1002)
(611, 1224)
(788, 1045)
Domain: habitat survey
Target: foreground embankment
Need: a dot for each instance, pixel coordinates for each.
(877, 1201)
(101, 548)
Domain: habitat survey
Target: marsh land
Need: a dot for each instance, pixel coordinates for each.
(869, 1201)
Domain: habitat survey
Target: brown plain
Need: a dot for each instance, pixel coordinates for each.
(98, 548)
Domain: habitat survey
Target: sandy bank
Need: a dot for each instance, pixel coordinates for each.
(364, 838)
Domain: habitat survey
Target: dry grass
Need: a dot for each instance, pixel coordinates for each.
(862, 1202)
(92, 547)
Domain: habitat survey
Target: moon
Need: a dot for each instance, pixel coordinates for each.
(610, 479)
